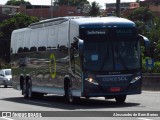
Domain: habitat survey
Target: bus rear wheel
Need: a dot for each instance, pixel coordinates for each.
(120, 99)
(31, 94)
(25, 89)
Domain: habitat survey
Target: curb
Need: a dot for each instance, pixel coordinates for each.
(151, 81)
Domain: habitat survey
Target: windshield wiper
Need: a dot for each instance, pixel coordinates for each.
(120, 58)
(104, 60)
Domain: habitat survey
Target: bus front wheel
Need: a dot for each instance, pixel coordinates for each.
(25, 89)
(120, 99)
(68, 94)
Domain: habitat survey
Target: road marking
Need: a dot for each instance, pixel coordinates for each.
(6, 118)
(144, 119)
(36, 102)
(151, 92)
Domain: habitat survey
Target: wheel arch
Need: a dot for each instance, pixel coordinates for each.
(21, 81)
(67, 81)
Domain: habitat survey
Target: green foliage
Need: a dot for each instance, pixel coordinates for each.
(4, 65)
(16, 22)
(148, 25)
(94, 10)
(71, 2)
(141, 14)
(17, 2)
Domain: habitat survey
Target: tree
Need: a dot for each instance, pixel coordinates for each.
(149, 26)
(144, 18)
(95, 9)
(154, 36)
(17, 2)
(138, 1)
(6, 28)
(70, 2)
(17, 21)
(141, 14)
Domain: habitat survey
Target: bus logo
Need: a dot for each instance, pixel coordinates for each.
(52, 66)
(116, 78)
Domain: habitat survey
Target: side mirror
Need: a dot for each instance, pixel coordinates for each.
(80, 46)
(146, 43)
(78, 43)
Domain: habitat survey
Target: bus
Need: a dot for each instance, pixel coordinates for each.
(78, 57)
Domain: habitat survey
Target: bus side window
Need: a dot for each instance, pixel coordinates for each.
(33, 49)
(62, 48)
(42, 48)
(20, 50)
(25, 49)
(72, 54)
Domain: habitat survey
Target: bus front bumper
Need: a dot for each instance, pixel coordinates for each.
(112, 90)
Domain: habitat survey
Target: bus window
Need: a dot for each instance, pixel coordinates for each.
(20, 50)
(33, 49)
(26, 49)
(43, 48)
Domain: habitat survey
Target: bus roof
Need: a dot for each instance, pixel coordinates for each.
(109, 21)
(81, 20)
(20, 30)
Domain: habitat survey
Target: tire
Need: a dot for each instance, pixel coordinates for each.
(68, 91)
(120, 99)
(30, 94)
(5, 84)
(36, 95)
(69, 96)
(25, 89)
(87, 97)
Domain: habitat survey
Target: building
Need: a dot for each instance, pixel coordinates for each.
(126, 5)
(153, 5)
(111, 7)
(6, 11)
(43, 12)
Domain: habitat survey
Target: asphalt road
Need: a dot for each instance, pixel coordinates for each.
(144, 106)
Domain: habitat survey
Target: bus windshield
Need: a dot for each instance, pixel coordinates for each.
(111, 54)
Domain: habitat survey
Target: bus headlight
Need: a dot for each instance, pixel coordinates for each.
(136, 78)
(91, 80)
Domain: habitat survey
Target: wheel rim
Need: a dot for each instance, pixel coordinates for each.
(70, 97)
(25, 90)
(4, 83)
(29, 91)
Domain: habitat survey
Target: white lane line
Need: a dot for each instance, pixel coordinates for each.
(5, 118)
(144, 119)
(151, 92)
(37, 102)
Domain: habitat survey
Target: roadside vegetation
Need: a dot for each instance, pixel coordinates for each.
(148, 25)
(6, 27)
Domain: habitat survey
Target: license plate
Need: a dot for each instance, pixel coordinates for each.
(115, 89)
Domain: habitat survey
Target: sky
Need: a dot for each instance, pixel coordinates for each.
(48, 2)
